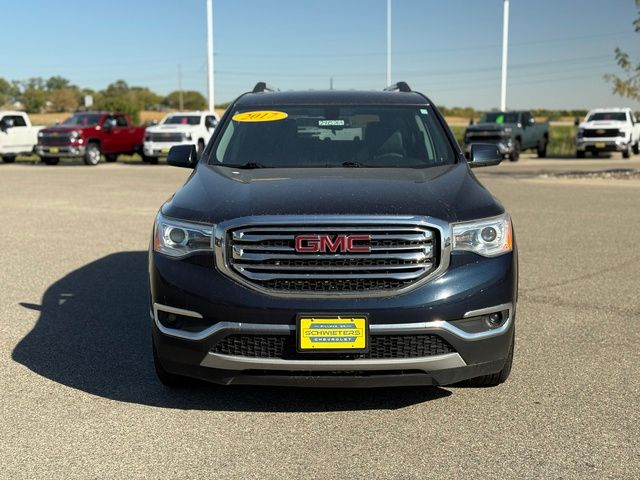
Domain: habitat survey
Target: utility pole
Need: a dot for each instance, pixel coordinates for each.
(505, 51)
(330, 83)
(210, 79)
(180, 96)
(388, 42)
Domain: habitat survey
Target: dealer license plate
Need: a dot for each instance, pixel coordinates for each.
(54, 150)
(335, 333)
(165, 150)
(600, 145)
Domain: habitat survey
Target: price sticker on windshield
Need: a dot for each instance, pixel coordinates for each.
(260, 116)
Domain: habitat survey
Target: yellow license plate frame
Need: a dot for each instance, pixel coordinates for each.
(601, 145)
(54, 149)
(333, 333)
(164, 150)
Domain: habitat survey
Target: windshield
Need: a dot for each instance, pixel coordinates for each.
(182, 120)
(499, 117)
(83, 119)
(610, 116)
(333, 136)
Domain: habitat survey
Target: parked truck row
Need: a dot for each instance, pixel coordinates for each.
(94, 135)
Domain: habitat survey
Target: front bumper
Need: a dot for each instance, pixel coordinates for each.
(71, 151)
(616, 144)
(161, 149)
(505, 145)
(447, 307)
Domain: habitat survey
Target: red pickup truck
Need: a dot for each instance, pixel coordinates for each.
(89, 135)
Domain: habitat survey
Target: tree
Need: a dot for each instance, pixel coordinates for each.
(627, 85)
(63, 100)
(56, 83)
(8, 92)
(34, 99)
(191, 100)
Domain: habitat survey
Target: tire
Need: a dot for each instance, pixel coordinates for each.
(496, 379)
(636, 148)
(542, 148)
(580, 153)
(152, 160)
(51, 160)
(166, 378)
(514, 156)
(200, 147)
(92, 154)
(626, 153)
(7, 159)
(111, 157)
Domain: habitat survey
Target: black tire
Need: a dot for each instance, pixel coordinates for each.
(51, 160)
(152, 160)
(580, 153)
(626, 153)
(496, 379)
(542, 148)
(9, 159)
(200, 147)
(92, 154)
(111, 157)
(166, 378)
(514, 156)
(636, 148)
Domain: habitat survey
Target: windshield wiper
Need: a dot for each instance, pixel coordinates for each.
(247, 166)
(352, 164)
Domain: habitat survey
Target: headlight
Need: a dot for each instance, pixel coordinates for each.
(187, 136)
(507, 130)
(176, 238)
(580, 132)
(489, 237)
(147, 138)
(74, 134)
(40, 134)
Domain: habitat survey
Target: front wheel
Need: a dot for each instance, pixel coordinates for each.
(636, 148)
(580, 154)
(496, 379)
(514, 156)
(92, 154)
(51, 160)
(8, 159)
(626, 153)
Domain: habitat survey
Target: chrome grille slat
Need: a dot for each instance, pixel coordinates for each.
(264, 256)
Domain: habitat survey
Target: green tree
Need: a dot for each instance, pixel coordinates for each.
(145, 98)
(63, 99)
(56, 83)
(8, 92)
(192, 100)
(34, 100)
(627, 85)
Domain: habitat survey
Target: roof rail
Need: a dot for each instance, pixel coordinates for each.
(263, 87)
(398, 87)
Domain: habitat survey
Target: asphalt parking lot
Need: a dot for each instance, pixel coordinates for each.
(79, 398)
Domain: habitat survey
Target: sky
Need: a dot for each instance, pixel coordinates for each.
(448, 49)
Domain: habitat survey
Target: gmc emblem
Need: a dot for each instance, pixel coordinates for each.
(324, 243)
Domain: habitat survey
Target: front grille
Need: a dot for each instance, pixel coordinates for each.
(165, 137)
(266, 257)
(53, 139)
(601, 132)
(380, 346)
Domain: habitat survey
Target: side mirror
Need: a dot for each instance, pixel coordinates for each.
(185, 156)
(532, 121)
(213, 123)
(484, 155)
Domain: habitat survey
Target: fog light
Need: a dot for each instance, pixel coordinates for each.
(171, 319)
(494, 320)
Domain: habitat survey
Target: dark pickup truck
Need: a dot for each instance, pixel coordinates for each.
(511, 132)
(89, 135)
(335, 239)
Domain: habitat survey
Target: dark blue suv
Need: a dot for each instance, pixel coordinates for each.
(333, 238)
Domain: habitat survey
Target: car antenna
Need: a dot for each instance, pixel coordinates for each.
(263, 87)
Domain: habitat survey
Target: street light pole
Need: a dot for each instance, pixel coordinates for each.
(388, 42)
(210, 79)
(505, 51)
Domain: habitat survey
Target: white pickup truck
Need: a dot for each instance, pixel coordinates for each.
(179, 128)
(17, 135)
(608, 130)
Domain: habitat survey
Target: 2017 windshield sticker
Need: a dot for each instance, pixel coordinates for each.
(331, 123)
(260, 116)
(424, 111)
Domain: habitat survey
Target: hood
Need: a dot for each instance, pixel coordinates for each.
(66, 128)
(487, 127)
(214, 194)
(171, 128)
(603, 124)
